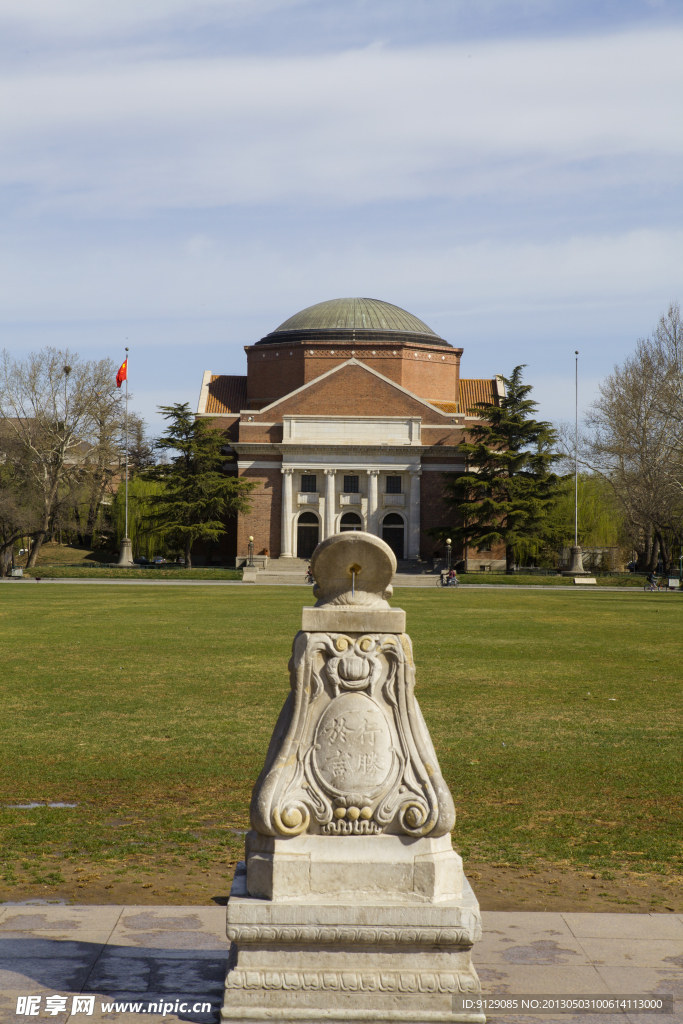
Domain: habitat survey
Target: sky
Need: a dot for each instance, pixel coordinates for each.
(181, 176)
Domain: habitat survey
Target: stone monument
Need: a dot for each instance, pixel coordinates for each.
(576, 563)
(352, 904)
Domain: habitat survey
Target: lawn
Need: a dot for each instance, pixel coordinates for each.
(556, 718)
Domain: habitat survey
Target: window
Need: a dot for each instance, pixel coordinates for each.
(393, 485)
(308, 484)
(351, 484)
(350, 521)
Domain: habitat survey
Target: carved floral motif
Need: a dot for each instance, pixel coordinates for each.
(466, 935)
(354, 981)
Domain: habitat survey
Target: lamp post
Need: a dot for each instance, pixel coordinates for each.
(250, 562)
(448, 552)
(576, 563)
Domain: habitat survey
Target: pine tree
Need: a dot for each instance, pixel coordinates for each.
(199, 495)
(508, 488)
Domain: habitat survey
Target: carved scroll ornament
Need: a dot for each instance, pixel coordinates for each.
(351, 754)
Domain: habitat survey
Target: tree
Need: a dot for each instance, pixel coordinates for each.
(601, 520)
(48, 411)
(199, 495)
(140, 448)
(508, 488)
(635, 441)
(19, 512)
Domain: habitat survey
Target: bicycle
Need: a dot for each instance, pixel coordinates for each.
(444, 581)
(655, 585)
(308, 578)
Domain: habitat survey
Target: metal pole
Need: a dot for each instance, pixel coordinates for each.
(126, 430)
(576, 452)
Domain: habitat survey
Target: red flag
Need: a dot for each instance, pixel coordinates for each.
(122, 374)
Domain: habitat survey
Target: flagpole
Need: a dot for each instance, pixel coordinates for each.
(126, 442)
(576, 560)
(126, 550)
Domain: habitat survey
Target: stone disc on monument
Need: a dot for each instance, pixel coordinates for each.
(351, 903)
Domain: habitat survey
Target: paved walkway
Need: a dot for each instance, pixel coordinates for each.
(287, 580)
(174, 959)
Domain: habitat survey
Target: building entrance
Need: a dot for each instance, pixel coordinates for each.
(393, 532)
(307, 534)
(350, 521)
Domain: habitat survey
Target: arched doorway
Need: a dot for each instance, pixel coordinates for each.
(393, 532)
(307, 533)
(350, 521)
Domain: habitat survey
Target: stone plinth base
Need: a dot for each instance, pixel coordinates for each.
(366, 961)
(576, 564)
(126, 553)
(353, 867)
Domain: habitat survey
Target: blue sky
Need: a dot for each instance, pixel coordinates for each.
(183, 176)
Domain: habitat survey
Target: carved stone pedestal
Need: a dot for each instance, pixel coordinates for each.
(576, 564)
(322, 960)
(352, 904)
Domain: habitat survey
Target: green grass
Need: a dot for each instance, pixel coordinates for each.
(536, 580)
(152, 709)
(61, 572)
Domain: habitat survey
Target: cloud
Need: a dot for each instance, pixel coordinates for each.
(357, 127)
(207, 277)
(101, 18)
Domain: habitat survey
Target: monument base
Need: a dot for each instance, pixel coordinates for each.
(353, 867)
(576, 564)
(126, 553)
(366, 961)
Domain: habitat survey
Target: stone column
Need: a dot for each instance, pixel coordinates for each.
(329, 502)
(373, 501)
(414, 515)
(286, 542)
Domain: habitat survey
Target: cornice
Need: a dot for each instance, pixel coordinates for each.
(265, 448)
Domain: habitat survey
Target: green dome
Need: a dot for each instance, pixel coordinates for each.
(355, 315)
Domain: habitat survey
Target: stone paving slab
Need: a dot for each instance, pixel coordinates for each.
(136, 960)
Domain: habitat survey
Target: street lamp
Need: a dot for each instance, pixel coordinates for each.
(448, 552)
(250, 563)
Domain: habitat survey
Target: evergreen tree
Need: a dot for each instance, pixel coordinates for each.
(199, 495)
(508, 488)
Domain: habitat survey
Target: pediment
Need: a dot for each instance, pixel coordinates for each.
(351, 389)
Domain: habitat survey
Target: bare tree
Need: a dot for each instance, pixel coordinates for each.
(51, 408)
(665, 352)
(634, 439)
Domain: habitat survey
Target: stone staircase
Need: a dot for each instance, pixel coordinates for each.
(292, 571)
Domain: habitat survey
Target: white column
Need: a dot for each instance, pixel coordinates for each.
(414, 518)
(286, 541)
(329, 502)
(373, 500)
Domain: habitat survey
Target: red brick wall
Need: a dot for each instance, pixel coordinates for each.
(257, 433)
(263, 522)
(276, 370)
(353, 392)
(434, 513)
(273, 371)
(432, 375)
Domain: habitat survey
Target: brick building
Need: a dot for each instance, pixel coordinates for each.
(348, 417)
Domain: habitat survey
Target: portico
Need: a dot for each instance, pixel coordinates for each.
(351, 491)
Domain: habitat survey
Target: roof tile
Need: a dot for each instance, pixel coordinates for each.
(226, 394)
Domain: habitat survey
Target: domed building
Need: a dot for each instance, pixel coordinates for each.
(349, 414)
